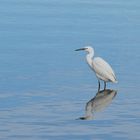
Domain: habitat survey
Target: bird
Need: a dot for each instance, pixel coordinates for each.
(102, 69)
(99, 102)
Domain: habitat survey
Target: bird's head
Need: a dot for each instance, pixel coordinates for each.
(88, 49)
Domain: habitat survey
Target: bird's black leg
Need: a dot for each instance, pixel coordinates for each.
(104, 85)
(98, 85)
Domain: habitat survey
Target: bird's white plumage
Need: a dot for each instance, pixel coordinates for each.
(103, 70)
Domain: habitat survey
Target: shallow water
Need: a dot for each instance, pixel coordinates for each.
(45, 84)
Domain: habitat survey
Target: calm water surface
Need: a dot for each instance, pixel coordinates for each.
(45, 87)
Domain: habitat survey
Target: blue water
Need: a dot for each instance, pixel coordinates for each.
(45, 84)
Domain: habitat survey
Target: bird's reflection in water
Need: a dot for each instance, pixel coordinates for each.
(101, 100)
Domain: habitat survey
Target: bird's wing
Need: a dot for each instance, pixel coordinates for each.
(103, 69)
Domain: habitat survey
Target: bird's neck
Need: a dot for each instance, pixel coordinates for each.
(89, 58)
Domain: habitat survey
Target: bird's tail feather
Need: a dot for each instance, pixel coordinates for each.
(115, 81)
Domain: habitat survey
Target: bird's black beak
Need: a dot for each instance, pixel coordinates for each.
(81, 49)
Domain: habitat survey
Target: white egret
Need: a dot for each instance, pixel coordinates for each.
(101, 68)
